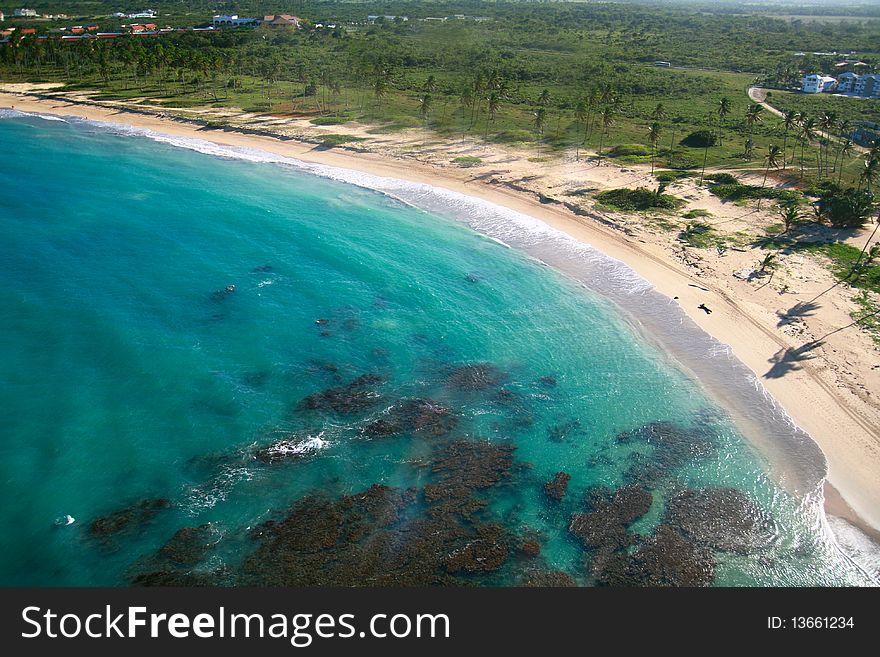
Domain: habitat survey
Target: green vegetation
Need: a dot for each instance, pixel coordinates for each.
(339, 140)
(562, 76)
(700, 235)
(737, 192)
(868, 315)
(467, 161)
(672, 176)
(696, 213)
(841, 207)
(637, 200)
(330, 120)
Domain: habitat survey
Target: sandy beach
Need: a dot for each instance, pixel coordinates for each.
(830, 391)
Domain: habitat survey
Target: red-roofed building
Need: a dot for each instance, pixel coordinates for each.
(29, 30)
(281, 20)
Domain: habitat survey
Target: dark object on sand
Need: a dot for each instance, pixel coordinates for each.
(706, 308)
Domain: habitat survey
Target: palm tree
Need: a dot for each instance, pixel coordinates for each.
(466, 99)
(580, 115)
(847, 148)
(723, 111)
(425, 106)
(868, 174)
(659, 113)
(544, 98)
(771, 159)
(753, 116)
(706, 151)
(790, 215)
(827, 122)
(844, 129)
(769, 262)
(654, 137)
(607, 122)
(540, 119)
(806, 135)
(380, 89)
(789, 120)
(493, 106)
(430, 85)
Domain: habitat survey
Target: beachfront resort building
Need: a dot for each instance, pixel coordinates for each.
(865, 86)
(846, 82)
(233, 20)
(281, 20)
(816, 83)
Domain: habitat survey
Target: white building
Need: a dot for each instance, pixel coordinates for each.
(26, 13)
(389, 19)
(868, 86)
(233, 20)
(146, 13)
(846, 82)
(816, 83)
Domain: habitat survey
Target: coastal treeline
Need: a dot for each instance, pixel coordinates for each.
(583, 77)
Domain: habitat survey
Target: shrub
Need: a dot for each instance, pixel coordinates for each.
(338, 140)
(737, 192)
(634, 200)
(700, 139)
(330, 120)
(681, 161)
(845, 208)
(698, 234)
(624, 150)
(467, 161)
(696, 214)
(672, 176)
(723, 178)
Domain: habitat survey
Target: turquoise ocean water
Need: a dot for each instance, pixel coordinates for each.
(200, 433)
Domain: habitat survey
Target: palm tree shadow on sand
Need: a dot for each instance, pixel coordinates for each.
(789, 360)
(801, 309)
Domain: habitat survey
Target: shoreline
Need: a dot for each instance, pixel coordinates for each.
(850, 443)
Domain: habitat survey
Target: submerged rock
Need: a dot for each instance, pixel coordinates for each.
(474, 377)
(354, 397)
(548, 578)
(189, 545)
(610, 514)
(220, 295)
(485, 553)
(666, 558)
(673, 445)
(560, 432)
(557, 487)
(470, 465)
(182, 578)
(529, 549)
(719, 518)
(423, 416)
(127, 519)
